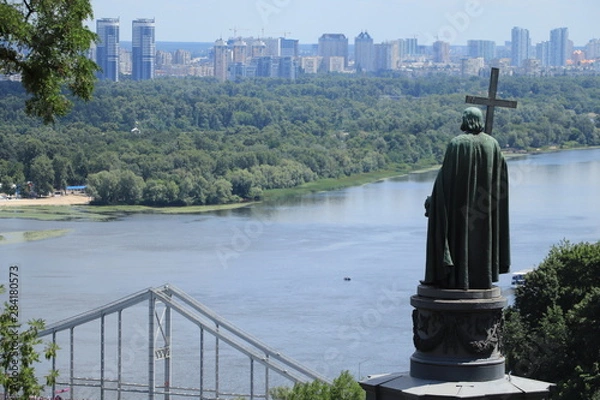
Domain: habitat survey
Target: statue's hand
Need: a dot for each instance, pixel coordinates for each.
(427, 205)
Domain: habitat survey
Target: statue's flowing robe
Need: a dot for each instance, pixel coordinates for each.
(468, 242)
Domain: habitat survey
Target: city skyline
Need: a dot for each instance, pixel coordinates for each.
(453, 21)
(240, 57)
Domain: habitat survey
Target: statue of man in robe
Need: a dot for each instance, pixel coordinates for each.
(468, 234)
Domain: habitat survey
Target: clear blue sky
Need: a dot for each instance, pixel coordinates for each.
(454, 21)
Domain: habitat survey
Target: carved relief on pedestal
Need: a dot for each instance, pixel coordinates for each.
(478, 334)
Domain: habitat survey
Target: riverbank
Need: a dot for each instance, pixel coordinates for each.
(68, 200)
(83, 211)
(77, 207)
(326, 185)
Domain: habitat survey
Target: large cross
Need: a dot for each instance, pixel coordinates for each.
(491, 101)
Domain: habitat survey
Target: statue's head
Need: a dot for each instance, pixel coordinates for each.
(472, 121)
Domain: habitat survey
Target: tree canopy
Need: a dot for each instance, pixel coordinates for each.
(45, 42)
(344, 387)
(19, 354)
(552, 332)
(197, 141)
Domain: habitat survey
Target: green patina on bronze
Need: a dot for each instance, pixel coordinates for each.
(468, 242)
(472, 120)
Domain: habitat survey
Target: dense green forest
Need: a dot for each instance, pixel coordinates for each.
(552, 332)
(197, 141)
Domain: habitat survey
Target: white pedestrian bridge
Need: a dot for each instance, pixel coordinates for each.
(205, 366)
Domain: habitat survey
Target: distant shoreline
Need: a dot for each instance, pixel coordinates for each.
(65, 200)
(312, 187)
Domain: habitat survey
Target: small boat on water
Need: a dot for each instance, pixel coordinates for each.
(518, 278)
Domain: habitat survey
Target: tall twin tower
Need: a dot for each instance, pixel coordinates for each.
(143, 49)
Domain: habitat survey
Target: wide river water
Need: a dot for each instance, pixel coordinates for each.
(277, 270)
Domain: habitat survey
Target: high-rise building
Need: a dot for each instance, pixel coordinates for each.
(264, 66)
(163, 59)
(310, 64)
(143, 49)
(107, 50)
(333, 45)
(411, 47)
(482, 48)
(289, 47)
(182, 57)
(240, 51)
(124, 61)
(592, 49)
(401, 44)
(239, 71)
(520, 45)
(273, 46)
(387, 56)
(288, 68)
(259, 49)
(336, 64)
(542, 53)
(281, 47)
(221, 59)
(559, 47)
(364, 53)
(441, 52)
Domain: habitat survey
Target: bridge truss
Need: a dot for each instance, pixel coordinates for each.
(217, 339)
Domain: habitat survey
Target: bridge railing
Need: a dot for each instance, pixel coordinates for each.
(172, 299)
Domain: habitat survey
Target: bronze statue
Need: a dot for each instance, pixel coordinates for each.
(468, 233)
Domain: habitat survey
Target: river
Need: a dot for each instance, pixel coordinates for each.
(277, 270)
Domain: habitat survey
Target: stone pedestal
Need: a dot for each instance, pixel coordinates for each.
(401, 386)
(457, 335)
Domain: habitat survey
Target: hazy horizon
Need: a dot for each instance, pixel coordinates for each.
(453, 21)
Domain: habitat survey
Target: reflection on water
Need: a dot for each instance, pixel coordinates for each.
(277, 269)
(425, 176)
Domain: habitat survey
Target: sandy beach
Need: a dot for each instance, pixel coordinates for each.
(69, 200)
